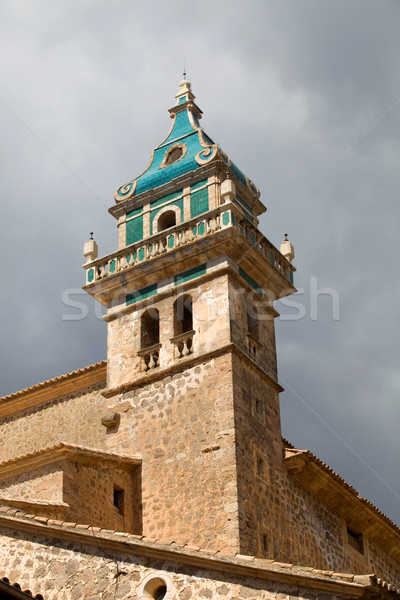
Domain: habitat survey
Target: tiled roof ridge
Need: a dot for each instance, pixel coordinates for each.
(20, 593)
(274, 566)
(67, 446)
(344, 483)
(58, 379)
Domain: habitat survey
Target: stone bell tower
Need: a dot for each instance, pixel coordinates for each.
(192, 377)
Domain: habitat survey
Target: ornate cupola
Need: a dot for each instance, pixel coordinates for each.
(189, 296)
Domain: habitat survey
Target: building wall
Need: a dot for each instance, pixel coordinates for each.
(182, 426)
(383, 563)
(207, 427)
(89, 490)
(243, 301)
(210, 323)
(75, 418)
(279, 518)
(43, 484)
(72, 571)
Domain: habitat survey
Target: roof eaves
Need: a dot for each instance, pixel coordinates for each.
(266, 569)
(58, 386)
(294, 453)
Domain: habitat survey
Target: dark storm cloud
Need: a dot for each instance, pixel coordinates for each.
(287, 89)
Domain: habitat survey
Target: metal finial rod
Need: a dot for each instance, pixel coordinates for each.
(184, 69)
(91, 235)
(286, 240)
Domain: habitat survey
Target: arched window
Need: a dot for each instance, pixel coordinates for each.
(167, 220)
(183, 326)
(150, 328)
(183, 314)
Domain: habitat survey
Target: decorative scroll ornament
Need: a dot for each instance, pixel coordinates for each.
(206, 155)
(125, 192)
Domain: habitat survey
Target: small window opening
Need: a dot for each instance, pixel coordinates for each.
(119, 499)
(174, 155)
(167, 220)
(260, 465)
(258, 406)
(155, 589)
(183, 314)
(160, 592)
(150, 328)
(355, 540)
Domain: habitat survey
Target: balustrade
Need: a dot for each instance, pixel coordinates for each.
(183, 344)
(150, 357)
(182, 234)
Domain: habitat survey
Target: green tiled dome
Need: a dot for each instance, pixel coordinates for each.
(185, 149)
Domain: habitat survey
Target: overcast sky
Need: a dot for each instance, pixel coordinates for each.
(304, 95)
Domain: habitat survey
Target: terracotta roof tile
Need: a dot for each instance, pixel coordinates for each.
(369, 581)
(342, 482)
(6, 586)
(59, 379)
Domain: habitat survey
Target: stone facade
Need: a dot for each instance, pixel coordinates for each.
(163, 474)
(77, 417)
(103, 566)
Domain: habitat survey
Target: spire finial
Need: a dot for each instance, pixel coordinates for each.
(91, 235)
(184, 69)
(286, 238)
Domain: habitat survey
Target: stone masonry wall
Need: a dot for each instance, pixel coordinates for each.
(75, 418)
(182, 425)
(88, 489)
(279, 518)
(210, 324)
(74, 571)
(244, 300)
(383, 563)
(42, 484)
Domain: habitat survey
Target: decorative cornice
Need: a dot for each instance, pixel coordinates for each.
(63, 450)
(189, 361)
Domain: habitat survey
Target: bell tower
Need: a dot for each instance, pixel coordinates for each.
(191, 358)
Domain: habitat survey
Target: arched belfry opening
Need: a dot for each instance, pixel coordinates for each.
(166, 220)
(150, 328)
(183, 314)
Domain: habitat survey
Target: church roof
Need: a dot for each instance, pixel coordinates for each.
(349, 584)
(316, 476)
(55, 387)
(185, 149)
